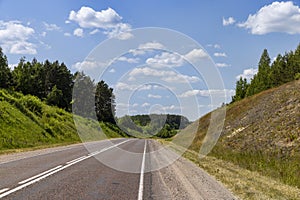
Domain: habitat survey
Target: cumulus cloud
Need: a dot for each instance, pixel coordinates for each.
(93, 32)
(51, 27)
(112, 71)
(14, 38)
(87, 65)
(149, 46)
(166, 59)
(219, 54)
(108, 20)
(221, 65)
(165, 75)
(276, 17)
(216, 46)
(67, 34)
(206, 93)
(175, 60)
(129, 60)
(146, 105)
(154, 96)
(78, 32)
(195, 55)
(228, 21)
(132, 87)
(248, 73)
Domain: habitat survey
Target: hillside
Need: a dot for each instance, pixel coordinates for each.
(261, 133)
(27, 122)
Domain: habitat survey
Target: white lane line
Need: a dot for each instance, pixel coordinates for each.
(75, 160)
(3, 190)
(41, 174)
(53, 172)
(141, 186)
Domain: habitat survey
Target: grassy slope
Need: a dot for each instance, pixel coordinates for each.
(26, 122)
(261, 134)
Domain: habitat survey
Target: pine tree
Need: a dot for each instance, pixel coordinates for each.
(83, 102)
(240, 90)
(5, 73)
(105, 103)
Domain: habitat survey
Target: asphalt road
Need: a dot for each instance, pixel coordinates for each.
(110, 169)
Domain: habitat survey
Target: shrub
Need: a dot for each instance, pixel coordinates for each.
(32, 103)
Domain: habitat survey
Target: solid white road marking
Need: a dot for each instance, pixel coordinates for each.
(141, 186)
(75, 160)
(54, 171)
(3, 190)
(41, 174)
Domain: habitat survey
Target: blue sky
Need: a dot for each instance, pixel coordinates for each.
(233, 33)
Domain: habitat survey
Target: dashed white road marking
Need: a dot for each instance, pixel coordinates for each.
(141, 185)
(47, 173)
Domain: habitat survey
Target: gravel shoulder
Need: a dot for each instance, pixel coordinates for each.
(184, 180)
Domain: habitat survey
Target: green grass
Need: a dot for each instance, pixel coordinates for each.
(28, 123)
(278, 166)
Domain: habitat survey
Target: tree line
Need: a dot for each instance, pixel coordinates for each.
(53, 83)
(285, 68)
(156, 125)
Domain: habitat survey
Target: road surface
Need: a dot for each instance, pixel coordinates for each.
(73, 172)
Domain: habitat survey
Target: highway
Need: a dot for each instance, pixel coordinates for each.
(109, 169)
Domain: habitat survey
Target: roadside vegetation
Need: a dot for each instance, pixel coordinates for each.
(36, 104)
(27, 122)
(258, 153)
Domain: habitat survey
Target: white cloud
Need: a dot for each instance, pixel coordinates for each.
(87, 65)
(166, 59)
(12, 66)
(247, 73)
(43, 34)
(149, 46)
(195, 55)
(219, 54)
(228, 21)
(112, 71)
(207, 93)
(14, 38)
(67, 34)
(51, 27)
(78, 32)
(154, 96)
(132, 87)
(276, 17)
(23, 47)
(93, 32)
(216, 46)
(129, 60)
(221, 65)
(108, 20)
(165, 75)
(175, 60)
(145, 105)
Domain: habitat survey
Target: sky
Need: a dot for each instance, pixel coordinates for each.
(156, 72)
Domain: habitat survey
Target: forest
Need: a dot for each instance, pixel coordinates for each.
(285, 68)
(53, 82)
(153, 125)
